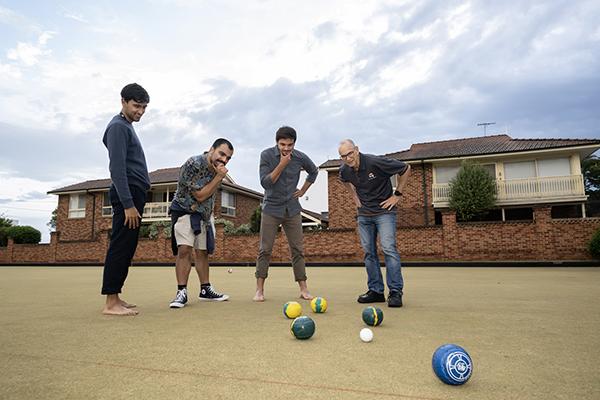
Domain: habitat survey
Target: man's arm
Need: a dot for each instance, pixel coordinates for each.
(267, 176)
(210, 188)
(400, 183)
(312, 171)
(116, 143)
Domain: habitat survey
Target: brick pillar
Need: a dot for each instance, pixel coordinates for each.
(450, 235)
(53, 245)
(219, 254)
(545, 236)
(10, 245)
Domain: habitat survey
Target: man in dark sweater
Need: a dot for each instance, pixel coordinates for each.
(130, 182)
(367, 178)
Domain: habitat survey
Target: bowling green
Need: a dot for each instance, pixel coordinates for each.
(533, 333)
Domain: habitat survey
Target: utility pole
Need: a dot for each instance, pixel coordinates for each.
(485, 125)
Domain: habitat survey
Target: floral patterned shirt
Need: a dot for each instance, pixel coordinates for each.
(194, 175)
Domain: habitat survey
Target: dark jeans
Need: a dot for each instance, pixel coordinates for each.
(384, 226)
(123, 242)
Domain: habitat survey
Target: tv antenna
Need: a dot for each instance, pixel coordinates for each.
(485, 125)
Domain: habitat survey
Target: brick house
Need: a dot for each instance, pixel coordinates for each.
(84, 208)
(540, 213)
(529, 173)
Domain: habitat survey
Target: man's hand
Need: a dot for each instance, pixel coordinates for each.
(132, 218)
(357, 202)
(222, 171)
(285, 160)
(390, 203)
(299, 193)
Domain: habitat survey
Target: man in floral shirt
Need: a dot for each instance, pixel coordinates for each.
(192, 219)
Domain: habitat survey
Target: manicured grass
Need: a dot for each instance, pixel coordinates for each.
(532, 334)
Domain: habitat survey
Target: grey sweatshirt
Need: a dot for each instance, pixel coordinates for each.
(127, 163)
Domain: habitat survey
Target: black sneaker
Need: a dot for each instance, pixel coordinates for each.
(371, 297)
(395, 299)
(180, 299)
(208, 293)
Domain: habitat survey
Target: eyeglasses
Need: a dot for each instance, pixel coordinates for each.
(347, 155)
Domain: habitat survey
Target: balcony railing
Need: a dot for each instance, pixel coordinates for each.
(569, 186)
(156, 211)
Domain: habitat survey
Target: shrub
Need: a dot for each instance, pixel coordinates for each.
(151, 230)
(594, 245)
(255, 220)
(3, 236)
(472, 191)
(24, 234)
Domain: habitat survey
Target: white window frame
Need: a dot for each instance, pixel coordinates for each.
(106, 209)
(75, 210)
(227, 209)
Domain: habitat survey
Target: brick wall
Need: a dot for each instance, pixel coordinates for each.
(541, 239)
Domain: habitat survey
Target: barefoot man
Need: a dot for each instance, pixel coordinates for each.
(279, 170)
(130, 182)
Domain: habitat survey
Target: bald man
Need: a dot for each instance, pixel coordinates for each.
(367, 178)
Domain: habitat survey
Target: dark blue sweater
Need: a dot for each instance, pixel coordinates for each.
(127, 163)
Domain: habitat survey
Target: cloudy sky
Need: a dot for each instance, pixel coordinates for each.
(386, 73)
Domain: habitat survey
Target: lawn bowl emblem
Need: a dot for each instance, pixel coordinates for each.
(452, 364)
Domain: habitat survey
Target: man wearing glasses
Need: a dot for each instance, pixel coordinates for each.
(367, 178)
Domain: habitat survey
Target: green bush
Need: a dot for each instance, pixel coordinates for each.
(230, 229)
(3, 236)
(151, 230)
(255, 220)
(24, 234)
(594, 245)
(472, 191)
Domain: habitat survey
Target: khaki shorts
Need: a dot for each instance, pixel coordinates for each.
(184, 235)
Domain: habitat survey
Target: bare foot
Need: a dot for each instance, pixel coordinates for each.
(127, 305)
(119, 310)
(306, 296)
(259, 296)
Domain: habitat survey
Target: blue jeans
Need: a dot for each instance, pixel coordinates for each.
(383, 225)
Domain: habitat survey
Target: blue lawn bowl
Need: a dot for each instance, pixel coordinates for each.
(452, 364)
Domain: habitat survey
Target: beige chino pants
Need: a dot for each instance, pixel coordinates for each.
(292, 226)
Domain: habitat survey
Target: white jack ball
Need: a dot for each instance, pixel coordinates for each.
(366, 335)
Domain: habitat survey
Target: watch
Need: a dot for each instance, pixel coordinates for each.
(397, 193)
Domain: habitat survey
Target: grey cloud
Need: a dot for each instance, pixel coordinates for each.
(325, 31)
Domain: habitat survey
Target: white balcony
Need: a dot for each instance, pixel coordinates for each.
(526, 191)
(156, 211)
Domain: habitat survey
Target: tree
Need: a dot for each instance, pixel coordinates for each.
(5, 223)
(472, 191)
(255, 220)
(24, 234)
(590, 168)
(52, 223)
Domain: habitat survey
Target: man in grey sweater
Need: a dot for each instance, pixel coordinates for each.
(130, 182)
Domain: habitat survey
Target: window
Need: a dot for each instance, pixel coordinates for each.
(445, 174)
(519, 170)
(106, 206)
(77, 206)
(554, 167)
(227, 203)
(537, 168)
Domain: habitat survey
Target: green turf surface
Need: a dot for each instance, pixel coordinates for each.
(532, 334)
